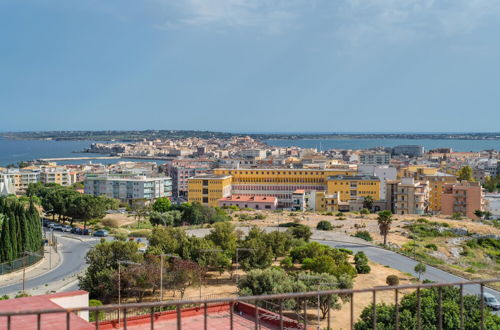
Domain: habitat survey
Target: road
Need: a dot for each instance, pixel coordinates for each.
(73, 253)
(406, 265)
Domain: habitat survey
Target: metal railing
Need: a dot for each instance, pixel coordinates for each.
(261, 316)
(20, 263)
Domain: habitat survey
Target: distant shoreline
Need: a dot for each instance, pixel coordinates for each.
(133, 136)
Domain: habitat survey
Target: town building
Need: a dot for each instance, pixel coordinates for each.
(20, 179)
(408, 150)
(251, 202)
(463, 198)
(280, 182)
(374, 158)
(353, 187)
(492, 204)
(407, 196)
(383, 172)
(208, 189)
(128, 188)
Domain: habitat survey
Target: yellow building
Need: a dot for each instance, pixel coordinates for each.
(354, 187)
(280, 183)
(416, 171)
(208, 189)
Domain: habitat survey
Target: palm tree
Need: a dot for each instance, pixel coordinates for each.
(384, 223)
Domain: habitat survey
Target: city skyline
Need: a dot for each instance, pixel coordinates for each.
(250, 66)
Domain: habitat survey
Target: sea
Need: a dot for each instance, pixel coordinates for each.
(14, 151)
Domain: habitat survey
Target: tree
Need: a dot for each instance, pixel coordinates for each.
(280, 243)
(224, 236)
(184, 273)
(361, 262)
(259, 255)
(479, 214)
(99, 278)
(169, 218)
(301, 231)
(384, 223)
(162, 205)
(420, 269)
(392, 280)
(465, 174)
(368, 203)
(324, 225)
(429, 312)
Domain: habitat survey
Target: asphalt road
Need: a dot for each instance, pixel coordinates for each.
(406, 265)
(73, 253)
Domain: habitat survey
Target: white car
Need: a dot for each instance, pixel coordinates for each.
(491, 301)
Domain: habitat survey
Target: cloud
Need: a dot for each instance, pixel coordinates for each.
(354, 21)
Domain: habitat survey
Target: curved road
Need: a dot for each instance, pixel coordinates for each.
(73, 253)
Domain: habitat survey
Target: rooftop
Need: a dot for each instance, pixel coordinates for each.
(254, 199)
(354, 178)
(210, 177)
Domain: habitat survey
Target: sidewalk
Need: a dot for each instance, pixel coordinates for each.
(50, 261)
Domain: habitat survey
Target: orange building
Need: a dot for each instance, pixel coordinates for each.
(464, 198)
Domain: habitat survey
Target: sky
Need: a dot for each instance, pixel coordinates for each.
(250, 65)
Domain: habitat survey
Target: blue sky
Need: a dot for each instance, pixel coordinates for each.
(250, 65)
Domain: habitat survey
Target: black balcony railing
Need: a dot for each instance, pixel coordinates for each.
(266, 309)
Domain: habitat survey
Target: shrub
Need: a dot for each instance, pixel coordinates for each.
(340, 214)
(432, 246)
(422, 220)
(361, 261)
(363, 268)
(392, 280)
(287, 263)
(110, 222)
(288, 224)
(364, 211)
(140, 233)
(364, 234)
(324, 225)
(329, 213)
(92, 303)
(346, 251)
(456, 216)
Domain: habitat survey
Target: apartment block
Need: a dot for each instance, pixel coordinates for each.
(464, 198)
(407, 196)
(208, 189)
(353, 187)
(18, 180)
(128, 188)
(374, 158)
(252, 202)
(281, 182)
(409, 150)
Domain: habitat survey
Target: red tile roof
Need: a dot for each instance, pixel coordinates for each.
(253, 199)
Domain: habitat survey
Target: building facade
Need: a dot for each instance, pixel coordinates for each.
(407, 196)
(127, 188)
(463, 198)
(208, 189)
(374, 158)
(252, 202)
(353, 187)
(280, 183)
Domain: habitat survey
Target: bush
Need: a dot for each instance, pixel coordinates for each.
(301, 231)
(345, 251)
(364, 211)
(140, 233)
(340, 214)
(361, 261)
(432, 246)
(288, 224)
(456, 216)
(392, 280)
(363, 268)
(329, 213)
(324, 225)
(92, 303)
(109, 222)
(364, 234)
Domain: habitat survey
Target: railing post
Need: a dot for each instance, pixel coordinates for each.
(179, 319)
(68, 322)
(419, 325)
(482, 306)
(352, 311)
(231, 315)
(374, 316)
(39, 321)
(257, 323)
(125, 318)
(305, 313)
(96, 319)
(440, 308)
(396, 305)
(328, 315)
(462, 321)
(152, 318)
(205, 316)
(281, 314)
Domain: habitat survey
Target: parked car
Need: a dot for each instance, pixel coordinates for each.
(86, 232)
(45, 222)
(101, 233)
(51, 225)
(491, 301)
(76, 230)
(57, 227)
(66, 228)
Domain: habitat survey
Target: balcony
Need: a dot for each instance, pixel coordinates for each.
(246, 312)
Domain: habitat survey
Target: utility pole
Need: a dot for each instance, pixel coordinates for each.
(25, 253)
(161, 271)
(237, 262)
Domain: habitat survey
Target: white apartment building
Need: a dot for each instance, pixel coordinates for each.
(127, 188)
(383, 172)
(375, 158)
(18, 180)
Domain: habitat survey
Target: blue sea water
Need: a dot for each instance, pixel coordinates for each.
(13, 151)
(325, 144)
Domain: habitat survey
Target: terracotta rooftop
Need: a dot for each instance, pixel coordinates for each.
(253, 199)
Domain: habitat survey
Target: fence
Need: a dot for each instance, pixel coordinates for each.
(26, 261)
(155, 314)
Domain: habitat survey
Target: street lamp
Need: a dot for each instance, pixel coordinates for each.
(161, 271)
(237, 250)
(24, 263)
(120, 262)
